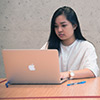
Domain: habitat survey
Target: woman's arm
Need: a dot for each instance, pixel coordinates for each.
(88, 66)
(83, 73)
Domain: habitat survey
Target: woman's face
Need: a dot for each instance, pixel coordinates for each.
(64, 30)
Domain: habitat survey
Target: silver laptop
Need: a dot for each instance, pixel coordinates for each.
(32, 66)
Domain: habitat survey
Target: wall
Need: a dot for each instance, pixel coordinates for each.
(25, 24)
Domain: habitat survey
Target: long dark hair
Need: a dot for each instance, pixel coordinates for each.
(54, 41)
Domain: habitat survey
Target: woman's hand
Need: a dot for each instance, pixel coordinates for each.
(64, 75)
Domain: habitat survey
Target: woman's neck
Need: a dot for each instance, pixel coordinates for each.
(68, 42)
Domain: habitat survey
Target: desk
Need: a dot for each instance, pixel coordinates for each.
(88, 91)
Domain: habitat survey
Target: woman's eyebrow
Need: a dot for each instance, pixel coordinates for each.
(61, 23)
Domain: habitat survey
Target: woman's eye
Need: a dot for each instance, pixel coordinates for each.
(64, 25)
(56, 26)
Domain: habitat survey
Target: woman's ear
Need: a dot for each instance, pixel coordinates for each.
(74, 26)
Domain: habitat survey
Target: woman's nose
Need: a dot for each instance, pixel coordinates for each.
(59, 29)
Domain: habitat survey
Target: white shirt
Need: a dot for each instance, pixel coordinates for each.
(79, 55)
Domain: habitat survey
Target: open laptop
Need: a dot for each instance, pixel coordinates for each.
(32, 66)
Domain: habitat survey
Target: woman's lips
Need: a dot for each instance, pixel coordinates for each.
(61, 35)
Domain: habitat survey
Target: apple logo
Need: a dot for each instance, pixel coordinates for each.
(31, 67)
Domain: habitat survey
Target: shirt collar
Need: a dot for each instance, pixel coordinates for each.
(68, 47)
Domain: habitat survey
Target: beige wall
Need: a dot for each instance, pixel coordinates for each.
(25, 24)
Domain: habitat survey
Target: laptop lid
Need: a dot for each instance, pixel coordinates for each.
(31, 66)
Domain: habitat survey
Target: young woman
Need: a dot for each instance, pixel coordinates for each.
(77, 56)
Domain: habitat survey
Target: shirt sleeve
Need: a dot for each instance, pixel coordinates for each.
(90, 60)
(45, 46)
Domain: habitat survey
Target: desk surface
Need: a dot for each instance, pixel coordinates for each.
(88, 91)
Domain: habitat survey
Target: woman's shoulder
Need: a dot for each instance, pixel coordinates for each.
(86, 43)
